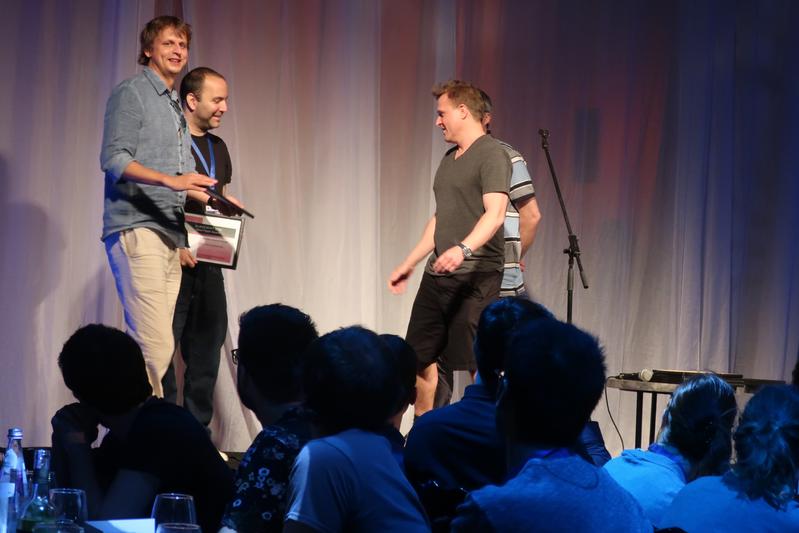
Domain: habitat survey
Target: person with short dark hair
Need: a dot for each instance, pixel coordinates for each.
(405, 359)
(347, 480)
(554, 377)
(695, 440)
(199, 324)
(152, 446)
(758, 494)
(466, 251)
(149, 171)
(272, 339)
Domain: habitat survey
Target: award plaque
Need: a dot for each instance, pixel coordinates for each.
(215, 239)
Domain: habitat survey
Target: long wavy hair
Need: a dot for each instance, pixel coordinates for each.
(767, 446)
(698, 423)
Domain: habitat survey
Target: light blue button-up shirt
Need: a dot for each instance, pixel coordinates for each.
(143, 123)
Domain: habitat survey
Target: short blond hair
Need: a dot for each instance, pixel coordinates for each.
(462, 92)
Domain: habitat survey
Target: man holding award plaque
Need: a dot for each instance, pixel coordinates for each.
(200, 321)
(149, 171)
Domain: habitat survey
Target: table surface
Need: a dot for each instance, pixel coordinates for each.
(642, 386)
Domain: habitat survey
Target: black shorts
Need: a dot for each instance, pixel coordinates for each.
(445, 315)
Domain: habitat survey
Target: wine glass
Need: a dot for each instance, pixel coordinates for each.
(177, 528)
(173, 508)
(69, 504)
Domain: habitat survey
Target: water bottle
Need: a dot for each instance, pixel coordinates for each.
(39, 509)
(13, 483)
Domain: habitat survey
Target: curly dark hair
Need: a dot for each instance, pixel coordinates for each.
(767, 446)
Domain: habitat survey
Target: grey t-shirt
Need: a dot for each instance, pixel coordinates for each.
(459, 188)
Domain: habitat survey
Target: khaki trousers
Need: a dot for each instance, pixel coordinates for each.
(146, 268)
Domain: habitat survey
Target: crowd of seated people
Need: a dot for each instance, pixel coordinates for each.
(518, 452)
(694, 441)
(758, 493)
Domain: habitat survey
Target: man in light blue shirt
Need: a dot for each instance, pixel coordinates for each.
(149, 170)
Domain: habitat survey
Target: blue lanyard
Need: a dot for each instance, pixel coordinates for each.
(209, 172)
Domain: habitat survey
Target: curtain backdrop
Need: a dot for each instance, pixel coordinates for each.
(674, 128)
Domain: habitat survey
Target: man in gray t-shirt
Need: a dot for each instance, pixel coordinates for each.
(464, 271)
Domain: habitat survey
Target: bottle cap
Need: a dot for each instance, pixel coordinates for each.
(15, 433)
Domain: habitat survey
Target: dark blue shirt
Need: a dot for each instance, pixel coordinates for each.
(457, 445)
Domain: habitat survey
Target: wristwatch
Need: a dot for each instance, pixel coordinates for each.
(467, 252)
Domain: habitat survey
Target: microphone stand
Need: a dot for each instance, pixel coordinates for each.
(573, 251)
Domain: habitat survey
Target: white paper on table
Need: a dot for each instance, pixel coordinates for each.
(128, 525)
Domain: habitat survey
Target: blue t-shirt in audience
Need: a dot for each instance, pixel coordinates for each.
(652, 478)
(713, 503)
(351, 482)
(553, 494)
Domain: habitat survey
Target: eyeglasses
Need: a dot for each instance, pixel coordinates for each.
(234, 354)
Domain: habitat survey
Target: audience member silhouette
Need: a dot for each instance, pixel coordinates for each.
(695, 440)
(152, 446)
(348, 480)
(554, 377)
(759, 493)
(272, 339)
(405, 359)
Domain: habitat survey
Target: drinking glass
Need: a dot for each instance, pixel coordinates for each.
(173, 508)
(177, 528)
(69, 504)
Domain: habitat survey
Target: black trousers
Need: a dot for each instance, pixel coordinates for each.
(444, 320)
(200, 327)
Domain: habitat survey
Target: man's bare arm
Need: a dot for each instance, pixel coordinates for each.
(529, 217)
(398, 280)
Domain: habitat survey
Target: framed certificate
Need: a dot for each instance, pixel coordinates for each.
(215, 239)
